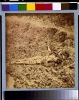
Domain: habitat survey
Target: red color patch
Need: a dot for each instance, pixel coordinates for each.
(48, 7)
(39, 6)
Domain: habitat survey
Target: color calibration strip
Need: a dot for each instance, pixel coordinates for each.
(38, 6)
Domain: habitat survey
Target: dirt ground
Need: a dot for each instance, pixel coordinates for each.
(40, 50)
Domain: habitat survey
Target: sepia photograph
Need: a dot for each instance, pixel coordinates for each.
(40, 50)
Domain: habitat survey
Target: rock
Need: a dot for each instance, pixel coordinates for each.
(58, 61)
(65, 54)
(52, 30)
(9, 81)
(65, 79)
(62, 36)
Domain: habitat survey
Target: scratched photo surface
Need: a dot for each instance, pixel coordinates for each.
(40, 50)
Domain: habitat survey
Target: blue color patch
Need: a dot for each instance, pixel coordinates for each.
(13, 7)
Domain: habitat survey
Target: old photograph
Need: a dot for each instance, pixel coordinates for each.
(40, 50)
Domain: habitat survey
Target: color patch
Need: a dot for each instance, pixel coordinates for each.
(47, 6)
(65, 6)
(56, 6)
(22, 7)
(5, 7)
(30, 6)
(73, 6)
(13, 7)
(39, 6)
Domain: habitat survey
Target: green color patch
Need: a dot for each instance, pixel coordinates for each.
(22, 7)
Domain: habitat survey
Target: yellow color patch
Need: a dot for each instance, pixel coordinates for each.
(30, 6)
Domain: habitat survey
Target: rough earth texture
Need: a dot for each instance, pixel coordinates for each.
(40, 50)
